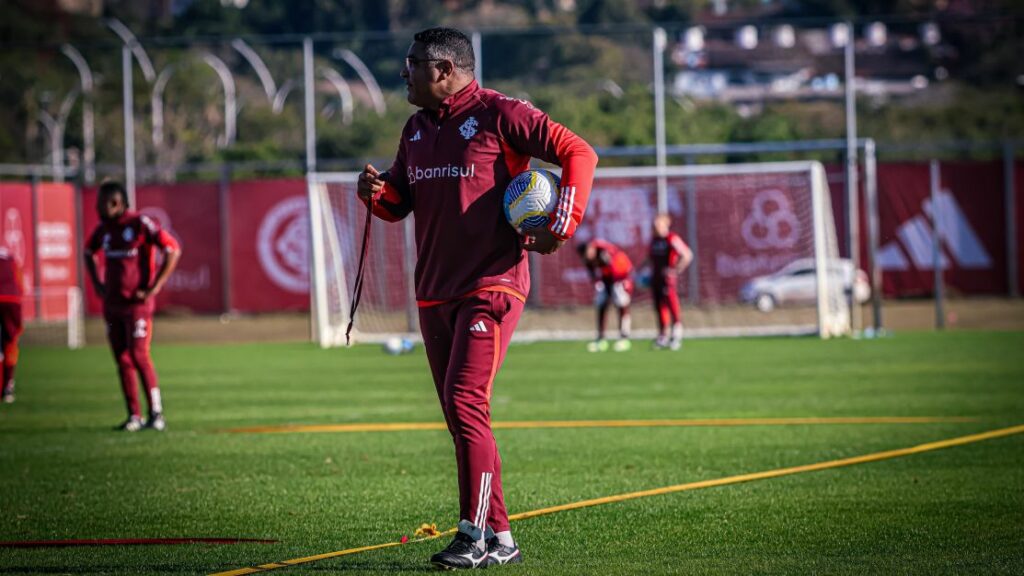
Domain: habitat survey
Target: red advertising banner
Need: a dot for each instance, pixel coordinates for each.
(17, 235)
(269, 246)
(971, 228)
(746, 227)
(191, 213)
(57, 249)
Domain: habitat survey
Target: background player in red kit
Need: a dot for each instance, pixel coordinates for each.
(668, 256)
(10, 319)
(611, 271)
(129, 242)
(455, 159)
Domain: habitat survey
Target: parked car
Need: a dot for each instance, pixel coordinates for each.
(796, 283)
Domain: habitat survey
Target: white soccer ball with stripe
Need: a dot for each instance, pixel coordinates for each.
(532, 200)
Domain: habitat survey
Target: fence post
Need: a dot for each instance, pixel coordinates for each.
(310, 104)
(478, 53)
(129, 123)
(874, 226)
(659, 43)
(693, 274)
(852, 190)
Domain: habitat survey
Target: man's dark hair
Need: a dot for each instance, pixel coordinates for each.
(109, 187)
(448, 44)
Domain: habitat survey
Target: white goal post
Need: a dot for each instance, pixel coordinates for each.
(54, 317)
(762, 233)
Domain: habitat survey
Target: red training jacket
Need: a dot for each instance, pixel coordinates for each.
(11, 287)
(665, 254)
(451, 171)
(129, 247)
(612, 263)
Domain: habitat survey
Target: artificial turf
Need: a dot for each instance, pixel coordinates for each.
(66, 475)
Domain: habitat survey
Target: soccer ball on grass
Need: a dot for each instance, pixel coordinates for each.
(395, 346)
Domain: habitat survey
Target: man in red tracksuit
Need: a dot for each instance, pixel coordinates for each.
(611, 271)
(10, 319)
(669, 256)
(129, 243)
(455, 159)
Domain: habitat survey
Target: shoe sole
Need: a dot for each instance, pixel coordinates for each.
(448, 568)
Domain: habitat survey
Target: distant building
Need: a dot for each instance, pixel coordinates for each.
(768, 59)
(77, 7)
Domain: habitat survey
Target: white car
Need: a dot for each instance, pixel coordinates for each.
(796, 284)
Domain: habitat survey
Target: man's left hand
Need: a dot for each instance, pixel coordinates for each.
(143, 295)
(543, 241)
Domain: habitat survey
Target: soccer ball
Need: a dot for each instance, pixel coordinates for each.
(643, 278)
(395, 346)
(530, 200)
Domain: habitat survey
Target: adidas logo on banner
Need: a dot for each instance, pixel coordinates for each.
(416, 137)
(955, 232)
(478, 327)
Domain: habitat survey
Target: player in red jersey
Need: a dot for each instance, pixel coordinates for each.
(611, 271)
(455, 159)
(668, 257)
(10, 319)
(129, 243)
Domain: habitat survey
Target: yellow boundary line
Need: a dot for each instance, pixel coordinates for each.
(521, 425)
(874, 457)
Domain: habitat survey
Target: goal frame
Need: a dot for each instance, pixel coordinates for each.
(321, 235)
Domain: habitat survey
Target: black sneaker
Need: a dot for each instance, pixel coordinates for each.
(498, 554)
(462, 553)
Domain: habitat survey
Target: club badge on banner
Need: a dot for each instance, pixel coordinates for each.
(269, 245)
(746, 227)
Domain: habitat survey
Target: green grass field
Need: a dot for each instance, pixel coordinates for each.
(66, 475)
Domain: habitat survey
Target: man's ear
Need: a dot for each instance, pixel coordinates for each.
(445, 69)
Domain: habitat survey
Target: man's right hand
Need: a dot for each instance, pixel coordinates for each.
(370, 183)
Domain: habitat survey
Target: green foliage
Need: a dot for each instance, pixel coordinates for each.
(597, 83)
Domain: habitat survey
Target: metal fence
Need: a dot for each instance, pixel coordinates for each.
(319, 95)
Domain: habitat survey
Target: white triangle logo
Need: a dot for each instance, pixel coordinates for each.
(955, 232)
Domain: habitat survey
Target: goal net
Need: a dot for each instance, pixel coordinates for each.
(53, 317)
(766, 258)
(388, 304)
